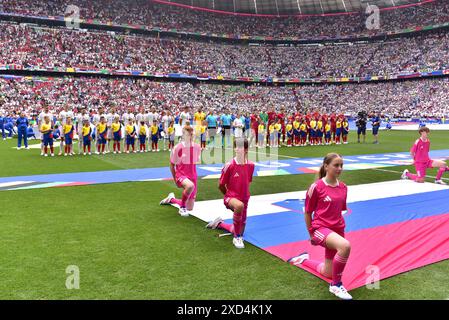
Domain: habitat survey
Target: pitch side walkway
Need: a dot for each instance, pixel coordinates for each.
(266, 168)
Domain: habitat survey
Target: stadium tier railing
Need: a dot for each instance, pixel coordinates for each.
(30, 70)
(97, 24)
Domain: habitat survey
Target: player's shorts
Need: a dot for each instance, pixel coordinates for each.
(48, 141)
(226, 201)
(154, 138)
(142, 139)
(361, 130)
(101, 140)
(328, 135)
(289, 135)
(421, 168)
(338, 132)
(172, 138)
(68, 139)
(130, 140)
(312, 133)
(344, 132)
(212, 131)
(180, 180)
(319, 134)
(375, 130)
(203, 137)
(226, 130)
(319, 237)
(296, 132)
(86, 141)
(304, 134)
(117, 136)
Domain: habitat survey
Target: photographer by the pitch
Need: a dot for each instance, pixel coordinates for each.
(361, 125)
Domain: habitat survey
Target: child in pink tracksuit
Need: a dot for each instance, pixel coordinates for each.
(184, 157)
(420, 153)
(235, 180)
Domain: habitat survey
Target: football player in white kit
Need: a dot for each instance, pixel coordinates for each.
(149, 118)
(109, 121)
(166, 119)
(96, 120)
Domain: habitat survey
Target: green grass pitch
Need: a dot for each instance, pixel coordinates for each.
(128, 247)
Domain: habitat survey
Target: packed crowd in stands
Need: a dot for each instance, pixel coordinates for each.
(414, 98)
(126, 114)
(46, 47)
(145, 12)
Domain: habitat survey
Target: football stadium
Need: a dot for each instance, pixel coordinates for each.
(224, 149)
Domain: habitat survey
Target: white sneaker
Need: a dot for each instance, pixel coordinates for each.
(84, 153)
(238, 242)
(27, 148)
(215, 223)
(404, 174)
(340, 292)
(440, 182)
(42, 153)
(45, 155)
(183, 212)
(299, 259)
(115, 152)
(90, 153)
(119, 152)
(167, 200)
(157, 150)
(52, 154)
(127, 152)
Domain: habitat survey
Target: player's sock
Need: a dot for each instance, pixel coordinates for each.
(227, 226)
(440, 173)
(237, 221)
(411, 176)
(51, 149)
(176, 201)
(102, 147)
(314, 265)
(45, 150)
(185, 197)
(88, 148)
(338, 266)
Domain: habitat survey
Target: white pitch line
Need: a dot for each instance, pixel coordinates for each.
(392, 171)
